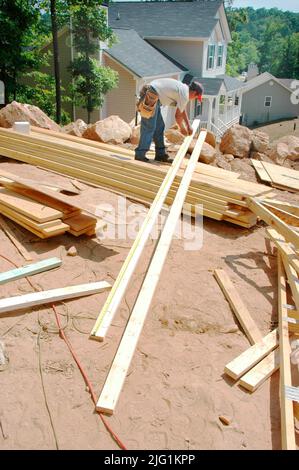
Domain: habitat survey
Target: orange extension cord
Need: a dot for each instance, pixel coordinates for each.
(87, 381)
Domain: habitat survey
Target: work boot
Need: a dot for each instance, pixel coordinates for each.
(142, 159)
(164, 158)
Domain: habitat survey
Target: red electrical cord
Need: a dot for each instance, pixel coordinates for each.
(87, 381)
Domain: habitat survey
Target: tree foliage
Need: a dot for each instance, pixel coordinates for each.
(267, 37)
(20, 40)
(91, 81)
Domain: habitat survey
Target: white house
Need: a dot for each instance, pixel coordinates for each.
(193, 37)
(181, 40)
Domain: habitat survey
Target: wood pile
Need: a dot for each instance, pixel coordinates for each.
(277, 176)
(221, 194)
(274, 351)
(43, 212)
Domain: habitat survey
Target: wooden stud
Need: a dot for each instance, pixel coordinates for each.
(117, 374)
(29, 270)
(249, 326)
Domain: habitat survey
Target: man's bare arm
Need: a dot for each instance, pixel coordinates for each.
(183, 122)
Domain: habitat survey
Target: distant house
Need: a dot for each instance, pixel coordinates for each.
(267, 98)
(166, 39)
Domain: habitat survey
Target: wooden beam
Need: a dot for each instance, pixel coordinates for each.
(271, 219)
(286, 405)
(29, 270)
(249, 326)
(285, 206)
(121, 283)
(284, 248)
(53, 295)
(249, 358)
(117, 374)
(21, 249)
(253, 379)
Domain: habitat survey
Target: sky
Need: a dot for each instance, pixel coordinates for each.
(292, 5)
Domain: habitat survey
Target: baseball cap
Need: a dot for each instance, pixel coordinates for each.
(198, 88)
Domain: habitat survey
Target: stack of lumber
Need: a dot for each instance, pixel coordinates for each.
(41, 211)
(272, 352)
(221, 194)
(278, 176)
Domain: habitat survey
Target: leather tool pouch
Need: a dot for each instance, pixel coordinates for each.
(147, 102)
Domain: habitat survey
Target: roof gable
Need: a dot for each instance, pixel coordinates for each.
(261, 79)
(167, 19)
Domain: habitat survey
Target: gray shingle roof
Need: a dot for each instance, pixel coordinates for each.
(152, 19)
(212, 85)
(286, 82)
(139, 56)
(232, 83)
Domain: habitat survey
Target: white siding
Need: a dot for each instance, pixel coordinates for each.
(187, 53)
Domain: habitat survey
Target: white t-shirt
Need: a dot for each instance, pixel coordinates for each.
(172, 92)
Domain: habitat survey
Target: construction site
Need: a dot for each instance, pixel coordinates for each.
(116, 332)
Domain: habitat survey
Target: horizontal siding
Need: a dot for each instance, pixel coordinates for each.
(121, 100)
(187, 53)
(253, 108)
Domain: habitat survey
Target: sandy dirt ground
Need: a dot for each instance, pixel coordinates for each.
(276, 130)
(175, 390)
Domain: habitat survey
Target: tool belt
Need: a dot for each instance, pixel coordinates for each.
(147, 102)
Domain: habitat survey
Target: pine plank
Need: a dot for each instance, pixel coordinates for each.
(53, 295)
(29, 270)
(284, 247)
(121, 283)
(117, 374)
(271, 219)
(253, 379)
(286, 406)
(28, 207)
(249, 358)
(283, 177)
(232, 296)
(261, 171)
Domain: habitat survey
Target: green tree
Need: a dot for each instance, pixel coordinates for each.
(91, 81)
(20, 40)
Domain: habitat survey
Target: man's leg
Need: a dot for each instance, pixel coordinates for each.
(159, 134)
(147, 131)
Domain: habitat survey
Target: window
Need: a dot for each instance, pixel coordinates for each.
(237, 100)
(220, 55)
(268, 101)
(211, 56)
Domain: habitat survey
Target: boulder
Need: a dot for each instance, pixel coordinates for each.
(135, 137)
(222, 162)
(260, 141)
(174, 135)
(208, 154)
(76, 128)
(111, 130)
(237, 141)
(278, 153)
(244, 167)
(26, 112)
(228, 157)
(211, 139)
(293, 146)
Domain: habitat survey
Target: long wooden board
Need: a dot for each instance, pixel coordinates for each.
(249, 358)
(283, 177)
(253, 379)
(29, 270)
(54, 295)
(286, 406)
(120, 285)
(261, 171)
(274, 221)
(28, 207)
(284, 248)
(249, 326)
(117, 374)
